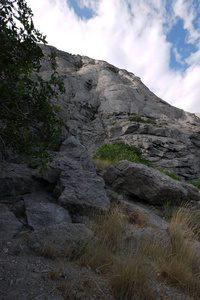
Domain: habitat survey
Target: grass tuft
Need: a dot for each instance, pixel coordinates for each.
(179, 266)
(49, 250)
(130, 265)
(130, 278)
(102, 164)
(163, 124)
(139, 119)
(196, 183)
(110, 228)
(170, 174)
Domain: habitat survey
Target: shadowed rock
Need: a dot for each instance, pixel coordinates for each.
(57, 238)
(43, 214)
(9, 224)
(141, 182)
(78, 187)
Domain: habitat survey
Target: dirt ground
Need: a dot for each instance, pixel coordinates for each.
(24, 275)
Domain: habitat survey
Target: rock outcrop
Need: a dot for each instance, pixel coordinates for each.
(49, 212)
(138, 181)
(68, 190)
(100, 98)
(77, 185)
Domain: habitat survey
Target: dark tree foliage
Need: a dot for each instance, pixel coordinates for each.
(28, 123)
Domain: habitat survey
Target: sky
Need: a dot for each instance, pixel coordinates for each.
(157, 40)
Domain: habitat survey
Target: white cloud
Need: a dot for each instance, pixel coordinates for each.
(178, 56)
(186, 11)
(91, 4)
(130, 34)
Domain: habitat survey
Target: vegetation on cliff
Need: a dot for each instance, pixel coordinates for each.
(28, 123)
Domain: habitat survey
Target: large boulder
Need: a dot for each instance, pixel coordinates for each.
(77, 186)
(9, 224)
(40, 212)
(53, 240)
(16, 180)
(138, 181)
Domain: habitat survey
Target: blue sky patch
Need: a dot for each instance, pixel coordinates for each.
(178, 38)
(83, 13)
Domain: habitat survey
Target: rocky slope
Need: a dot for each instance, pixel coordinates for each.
(99, 100)
(55, 210)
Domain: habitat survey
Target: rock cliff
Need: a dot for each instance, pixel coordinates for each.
(99, 102)
(102, 104)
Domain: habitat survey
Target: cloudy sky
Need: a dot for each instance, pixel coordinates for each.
(157, 40)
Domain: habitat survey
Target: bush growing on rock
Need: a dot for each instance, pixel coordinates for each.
(196, 183)
(120, 151)
(170, 174)
(139, 119)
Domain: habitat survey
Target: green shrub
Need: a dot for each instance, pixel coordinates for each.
(28, 122)
(120, 151)
(136, 119)
(170, 174)
(163, 124)
(139, 119)
(196, 183)
(150, 121)
(114, 122)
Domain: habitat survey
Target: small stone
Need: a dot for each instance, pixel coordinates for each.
(44, 277)
(11, 282)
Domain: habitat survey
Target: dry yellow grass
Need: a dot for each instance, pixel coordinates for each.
(129, 270)
(102, 164)
(110, 227)
(179, 267)
(49, 249)
(108, 230)
(130, 277)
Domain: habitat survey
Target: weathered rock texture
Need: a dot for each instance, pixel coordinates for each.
(9, 224)
(138, 181)
(16, 179)
(53, 211)
(77, 185)
(100, 97)
(58, 237)
(68, 190)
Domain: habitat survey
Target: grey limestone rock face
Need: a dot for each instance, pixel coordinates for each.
(100, 98)
(141, 182)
